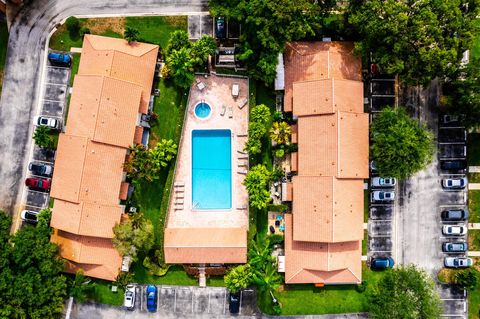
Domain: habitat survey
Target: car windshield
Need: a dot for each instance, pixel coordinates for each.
(151, 296)
(381, 195)
(455, 262)
(44, 121)
(29, 215)
(449, 182)
(40, 183)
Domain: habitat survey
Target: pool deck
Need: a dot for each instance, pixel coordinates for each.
(218, 92)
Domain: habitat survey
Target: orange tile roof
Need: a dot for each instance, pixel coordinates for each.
(116, 58)
(85, 218)
(309, 262)
(327, 96)
(100, 105)
(294, 161)
(96, 256)
(87, 171)
(333, 145)
(137, 139)
(205, 245)
(306, 61)
(294, 133)
(124, 190)
(327, 209)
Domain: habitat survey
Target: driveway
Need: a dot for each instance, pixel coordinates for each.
(24, 71)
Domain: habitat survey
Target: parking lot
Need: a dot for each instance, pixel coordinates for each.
(53, 105)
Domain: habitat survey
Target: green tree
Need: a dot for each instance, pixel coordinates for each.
(42, 138)
(201, 49)
(123, 279)
(73, 26)
(467, 278)
(401, 146)
(260, 114)
(268, 278)
(256, 131)
(404, 293)
(30, 272)
(260, 253)
(280, 133)
(139, 165)
(133, 235)
(238, 278)
(178, 40)
(257, 182)
(163, 153)
(80, 287)
(182, 66)
(131, 34)
(419, 40)
(267, 26)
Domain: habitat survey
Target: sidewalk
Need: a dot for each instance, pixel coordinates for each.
(474, 254)
(474, 169)
(472, 186)
(473, 225)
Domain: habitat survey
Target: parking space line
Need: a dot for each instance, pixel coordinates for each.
(34, 160)
(54, 101)
(381, 251)
(175, 301)
(57, 84)
(448, 299)
(52, 116)
(193, 297)
(451, 143)
(224, 299)
(34, 191)
(209, 295)
(57, 67)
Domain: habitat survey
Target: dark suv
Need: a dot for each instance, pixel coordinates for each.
(455, 214)
(40, 169)
(458, 165)
(458, 247)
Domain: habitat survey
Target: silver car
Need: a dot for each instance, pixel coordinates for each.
(129, 300)
(454, 183)
(382, 196)
(383, 182)
(457, 262)
(454, 230)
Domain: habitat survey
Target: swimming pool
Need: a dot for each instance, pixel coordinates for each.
(202, 110)
(211, 169)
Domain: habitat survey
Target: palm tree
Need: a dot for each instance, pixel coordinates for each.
(131, 34)
(280, 133)
(267, 279)
(163, 153)
(80, 287)
(41, 137)
(259, 253)
(181, 64)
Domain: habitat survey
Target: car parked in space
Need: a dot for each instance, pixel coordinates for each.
(38, 183)
(129, 299)
(458, 262)
(455, 165)
(383, 182)
(29, 216)
(383, 196)
(49, 122)
(151, 298)
(220, 31)
(381, 263)
(454, 230)
(234, 302)
(451, 119)
(455, 214)
(458, 247)
(454, 183)
(61, 59)
(40, 169)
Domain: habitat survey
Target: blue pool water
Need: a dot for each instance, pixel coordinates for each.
(211, 169)
(202, 110)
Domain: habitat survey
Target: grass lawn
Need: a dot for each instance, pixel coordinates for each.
(474, 240)
(474, 206)
(474, 177)
(365, 242)
(474, 296)
(152, 29)
(103, 294)
(3, 49)
(475, 51)
(365, 205)
(307, 299)
(474, 148)
(75, 65)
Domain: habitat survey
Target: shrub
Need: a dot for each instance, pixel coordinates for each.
(83, 31)
(166, 72)
(279, 153)
(73, 25)
(361, 288)
(280, 208)
(467, 278)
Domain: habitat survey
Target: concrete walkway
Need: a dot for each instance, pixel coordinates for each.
(474, 254)
(473, 186)
(474, 169)
(473, 225)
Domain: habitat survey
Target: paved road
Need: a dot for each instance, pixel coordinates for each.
(26, 53)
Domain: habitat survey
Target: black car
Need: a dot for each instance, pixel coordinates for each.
(234, 304)
(455, 214)
(457, 165)
(458, 247)
(220, 28)
(40, 169)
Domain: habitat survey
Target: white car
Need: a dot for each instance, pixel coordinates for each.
(454, 230)
(454, 183)
(49, 122)
(29, 216)
(457, 262)
(129, 299)
(384, 182)
(383, 196)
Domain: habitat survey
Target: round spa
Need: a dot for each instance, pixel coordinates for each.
(203, 110)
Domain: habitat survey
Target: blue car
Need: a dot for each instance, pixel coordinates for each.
(60, 59)
(152, 298)
(381, 263)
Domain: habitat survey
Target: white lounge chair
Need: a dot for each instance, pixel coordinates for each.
(243, 207)
(224, 109)
(179, 184)
(242, 172)
(235, 90)
(243, 156)
(201, 86)
(230, 112)
(242, 103)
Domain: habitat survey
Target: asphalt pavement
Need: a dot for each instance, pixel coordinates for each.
(24, 71)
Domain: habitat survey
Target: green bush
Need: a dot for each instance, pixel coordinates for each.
(73, 25)
(83, 31)
(362, 287)
(276, 239)
(280, 208)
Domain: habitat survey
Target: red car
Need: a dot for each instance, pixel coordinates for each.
(38, 183)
